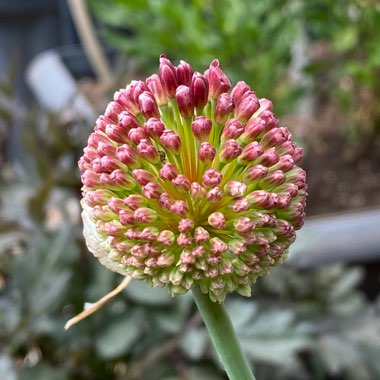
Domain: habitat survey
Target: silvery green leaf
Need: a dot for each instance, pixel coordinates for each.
(194, 342)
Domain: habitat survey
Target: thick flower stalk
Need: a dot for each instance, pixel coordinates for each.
(189, 183)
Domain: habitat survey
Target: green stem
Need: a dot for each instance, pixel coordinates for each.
(223, 337)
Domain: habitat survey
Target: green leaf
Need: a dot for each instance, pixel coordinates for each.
(141, 292)
(118, 335)
(194, 343)
(42, 371)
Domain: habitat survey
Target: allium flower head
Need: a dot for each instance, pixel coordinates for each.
(187, 182)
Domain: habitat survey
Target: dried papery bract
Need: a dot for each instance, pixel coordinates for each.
(188, 183)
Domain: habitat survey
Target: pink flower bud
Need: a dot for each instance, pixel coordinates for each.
(240, 205)
(119, 178)
(269, 119)
(151, 190)
(275, 178)
(238, 91)
(168, 171)
(106, 149)
(253, 130)
(224, 107)
(201, 235)
(285, 163)
(230, 151)
(286, 148)
(266, 104)
(126, 155)
(237, 247)
(128, 121)
(274, 137)
(259, 198)
(185, 101)
(215, 194)
(184, 73)
(232, 130)
(126, 101)
(235, 188)
(255, 173)
(126, 217)
(217, 246)
(117, 133)
(218, 81)
(211, 177)
(297, 155)
(184, 239)
(243, 225)
(166, 237)
(109, 164)
(137, 134)
(179, 207)
(114, 228)
(199, 88)
(185, 225)
(135, 88)
(147, 151)
(112, 111)
(142, 176)
(103, 213)
(268, 158)
(206, 152)
(248, 105)
(100, 125)
(134, 201)
(148, 105)
(197, 191)
(165, 201)
(98, 197)
(217, 220)
(168, 76)
(154, 127)
(250, 153)
(145, 215)
(170, 140)
(201, 127)
(181, 182)
(155, 86)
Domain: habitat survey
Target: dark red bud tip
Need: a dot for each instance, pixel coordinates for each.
(185, 101)
(168, 76)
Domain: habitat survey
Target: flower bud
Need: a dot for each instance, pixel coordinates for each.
(201, 127)
(230, 151)
(185, 101)
(238, 91)
(181, 182)
(168, 76)
(154, 127)
(134, 201)
(265, 104)
(206, 152)
(148, 105)
(211, 178)
(147, 151)
(199, 89)
(126, 155)
(224, 107)
(142, 176)
(250, 153)
(113, 110)
(126, 101)
(166, 237)
(233, 129)
(137, 134)
(235, 188)
(217, 246)
(168, 171)
(151, 190)
(197, 191)
(145, 215)
(253, 130)
(255, 173)
(185, 225)
(217, 220)
(184, 73)
(248, 105)
(155, 86)
(170, 140)
(201, 235)
(268, 158)
(218, 81)
(215, 194)
(179, 207)
(128, 121)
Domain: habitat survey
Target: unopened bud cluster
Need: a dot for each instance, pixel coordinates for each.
(187, 182)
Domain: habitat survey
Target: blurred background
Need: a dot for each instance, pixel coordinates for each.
(315, 318)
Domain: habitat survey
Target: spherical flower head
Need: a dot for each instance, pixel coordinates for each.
(189, 183)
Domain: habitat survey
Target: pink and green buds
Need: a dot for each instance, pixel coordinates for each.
(189, 183)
